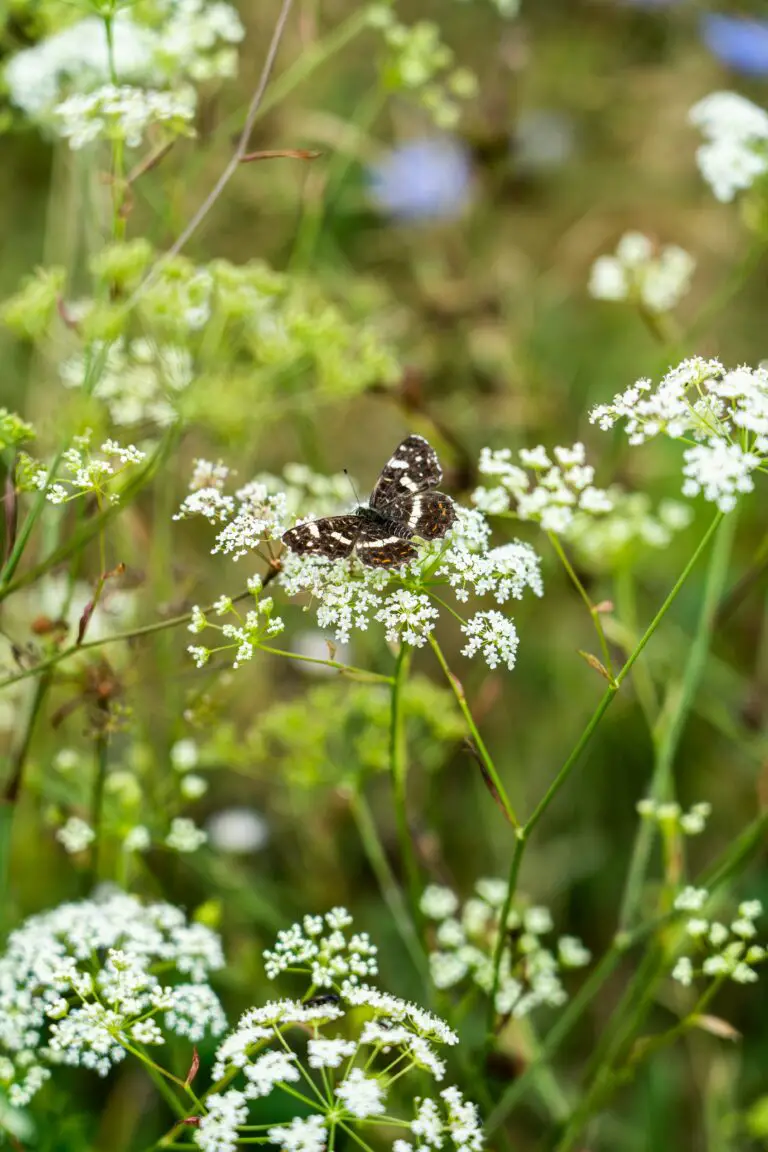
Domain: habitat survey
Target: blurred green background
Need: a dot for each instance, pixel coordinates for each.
(502, 346)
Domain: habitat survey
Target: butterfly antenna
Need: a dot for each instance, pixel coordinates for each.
(352, 486)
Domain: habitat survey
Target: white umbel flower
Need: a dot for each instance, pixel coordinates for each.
(735, 152)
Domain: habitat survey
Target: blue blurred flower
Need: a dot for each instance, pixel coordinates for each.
(740, 44)
(428, 179)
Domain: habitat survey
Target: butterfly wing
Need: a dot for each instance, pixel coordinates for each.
(413, 467)
(378, 547)
(428, 515)
(333, 537)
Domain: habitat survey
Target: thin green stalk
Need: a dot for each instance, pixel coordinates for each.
(12, 790)
(501, 942)
(626, 605)
(398, 764)
(674, 715)
(610, 692)
(388, 885)
(101, 759)
(485, 756)
(555, 542)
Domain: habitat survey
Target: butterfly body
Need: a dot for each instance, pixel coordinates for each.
(403, 505)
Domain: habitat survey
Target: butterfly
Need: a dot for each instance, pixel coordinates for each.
(403, 504)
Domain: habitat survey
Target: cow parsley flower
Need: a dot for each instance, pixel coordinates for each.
(80, 983)
(557, 490)
(656, 280)
(466, 944)
(670, 814)
(348, 1076)
(138, 381)
(181, 39)
(493, 636)
(319, 946)
(185, 836)
(301, 1135)
(724, 952)
(81, 470)
(122, 113)
(724, 412)
(75, 835)
(735, 152)
(621, 537)
(408, 617)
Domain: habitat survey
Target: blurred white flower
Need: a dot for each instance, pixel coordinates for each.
(75, 835)
(122, 113)
(184, 755)
(138, 380)
(658, 280)
(185, 836)
(192, 786)
(735, 152)
(189, 39)
(427, 179)
(237, 830)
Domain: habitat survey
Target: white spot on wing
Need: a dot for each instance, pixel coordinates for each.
(313, 530)
(411, 485)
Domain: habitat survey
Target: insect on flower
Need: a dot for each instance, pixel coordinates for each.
(403, 505)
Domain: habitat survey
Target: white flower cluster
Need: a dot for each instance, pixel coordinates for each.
(671, 815)
(558, 490)
(348, 1075)
(735, 152)
(492, 635)
(263, 508)
(123, 113)
(191, 39)
(75, 835)
(722, 415)
(636, 272)
(138, 380)
(251, 631)
(319, 946)
(84, 472)
(345, 594)
(725, 951)
(622, 535)
(466, 939)
(80, 983)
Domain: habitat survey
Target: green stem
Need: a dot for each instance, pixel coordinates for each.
(555, 542)
(485, 756)
(12, 790)
(671, 722)
(97, 802)
(398, 764)
(610, 692)
(502, 942)
(626, 605)
(390, 889)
